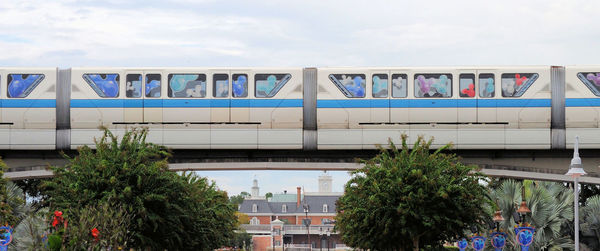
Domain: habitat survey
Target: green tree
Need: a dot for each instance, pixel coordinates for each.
(268, 195)
(590, 223)
(404, 199)
(169, 211)
(238, 199)
(551, 207)
(11, 200)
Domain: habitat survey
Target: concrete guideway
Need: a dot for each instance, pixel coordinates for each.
(312, 166)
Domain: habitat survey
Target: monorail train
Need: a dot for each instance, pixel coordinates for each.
(508, 107)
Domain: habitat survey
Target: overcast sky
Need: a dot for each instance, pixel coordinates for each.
(68, 33)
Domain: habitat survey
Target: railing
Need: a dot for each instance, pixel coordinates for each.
(249, 227)
(314, 229)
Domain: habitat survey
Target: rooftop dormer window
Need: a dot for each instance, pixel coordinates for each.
(254, 208)
(284, 208)
(325, 208)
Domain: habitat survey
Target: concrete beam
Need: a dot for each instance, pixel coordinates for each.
(312, 166)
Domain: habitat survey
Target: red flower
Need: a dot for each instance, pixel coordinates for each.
(57, 218)
(95, 233)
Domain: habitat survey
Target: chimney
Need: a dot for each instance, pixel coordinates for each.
(298, 190)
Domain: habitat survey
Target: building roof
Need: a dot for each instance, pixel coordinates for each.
(262, 206)
(285, 197)
(315, 205)
(316, 202)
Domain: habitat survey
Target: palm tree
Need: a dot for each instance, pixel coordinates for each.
(590, 222)
(551, 207)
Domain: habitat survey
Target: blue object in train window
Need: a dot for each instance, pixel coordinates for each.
(591, 80)
(380, 85)
(399, 86)
(152, 85)
(133, 87)
(21, 85)
(515, 84)
(433, 85)
(486, 85)
(351, 85)
(105, 85)
(220, 85)
(187, 85)
(267, 85)
(239, 85)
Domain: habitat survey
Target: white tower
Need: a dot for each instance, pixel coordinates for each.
(254, 188)
(325, 183)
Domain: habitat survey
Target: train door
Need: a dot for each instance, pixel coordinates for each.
(133, 103)
(380, 97)
(220, 100)
(399, 98)
(467, 98)
(4, 125)
(154, 90)
(486, 97)
(240, 98)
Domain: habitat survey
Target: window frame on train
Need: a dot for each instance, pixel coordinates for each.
(428, 76)
(127, 79)
(280, 82)
(171, 93)
(518, 93)
(461, 91)
(335, 80)
(29, 88)
(236, 77)
(404, 77)
(484, 77)
(146, 82)
(87, 78)
(387, 83)
(214, 82)
(584, 78)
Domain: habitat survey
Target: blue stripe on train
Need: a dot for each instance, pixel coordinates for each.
(28, 103)
(582, 102)
(173, 103)
(430, 103)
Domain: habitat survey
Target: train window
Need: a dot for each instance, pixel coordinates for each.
(106, 85)
(399, 85)
(433, 85)
(267, 85)
(187, 85)
(351, 85)
(152, 85)
(591, 80)
(133, 85)
(466, 84)
(380, 85)
(515, 84)
(486, 85)
(220, 85)
(239, 85)
(21, 85)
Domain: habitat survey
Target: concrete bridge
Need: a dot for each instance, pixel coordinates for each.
(538, 165)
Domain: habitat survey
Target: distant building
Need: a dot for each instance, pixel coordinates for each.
(281, 219)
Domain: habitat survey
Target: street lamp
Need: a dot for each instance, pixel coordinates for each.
(307, 222)
(274, 233)
(321, 238)
(576, 170)
(498, 238)
(328, 233)
(523, 231)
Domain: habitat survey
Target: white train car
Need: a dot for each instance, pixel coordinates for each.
(27, 108)
(582, 105)
(473, 107)
(190, 108)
